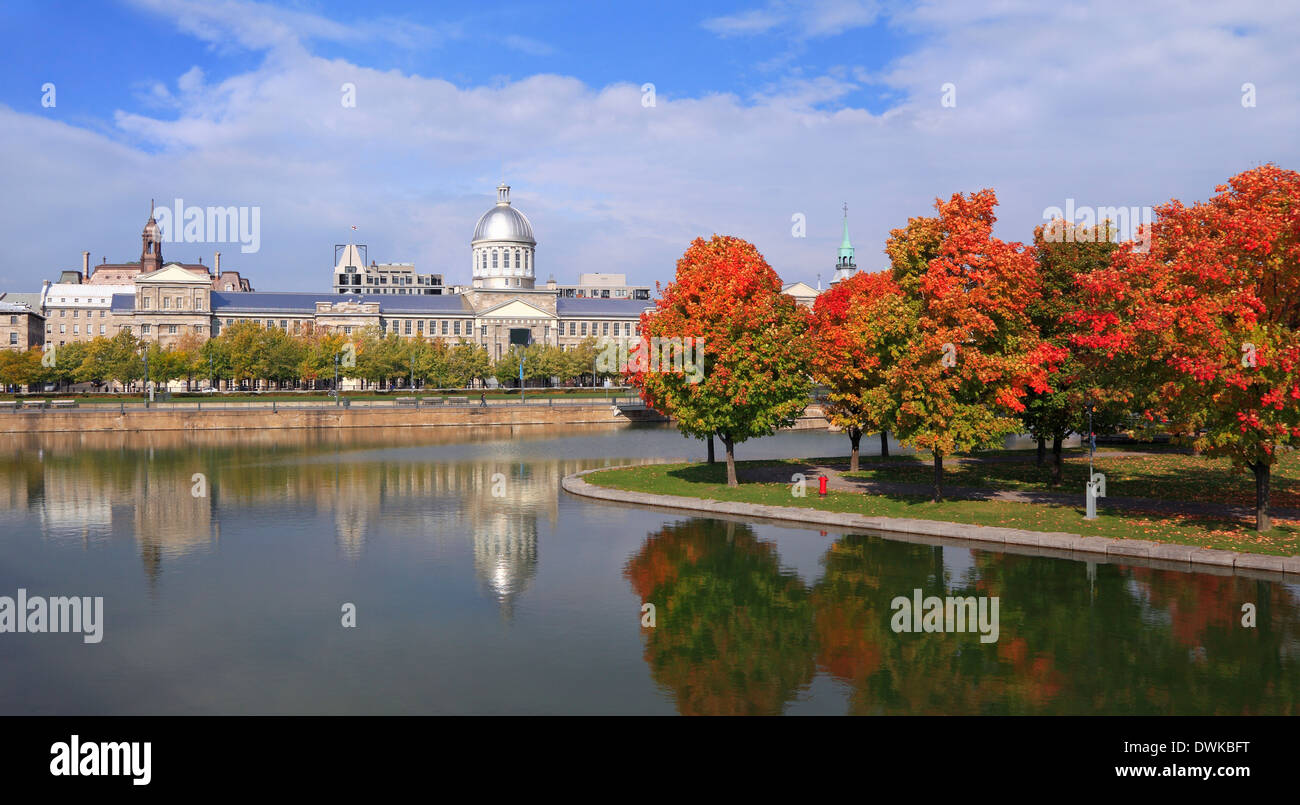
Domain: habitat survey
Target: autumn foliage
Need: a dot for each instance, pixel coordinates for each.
(858, 328)
(751, 336)
(1204, 328)
(973, 353)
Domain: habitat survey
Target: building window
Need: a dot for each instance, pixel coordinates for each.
(456, 328)
(482, 331)
(584, 328)
(419, 326)
(284, 324)
(494, 258)
(13, 319)
(604, 329)
(171, 329)
(13, 338)
(347, 331)
(75, 313)
(101, 314)
(167, 303)
(444, 326)
(408, 326)
(198, 328)
(573, 328)
(146, 328)
(76, 329)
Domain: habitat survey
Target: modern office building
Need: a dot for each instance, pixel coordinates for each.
(352, 275)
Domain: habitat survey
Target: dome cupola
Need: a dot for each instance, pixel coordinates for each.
(503, 246)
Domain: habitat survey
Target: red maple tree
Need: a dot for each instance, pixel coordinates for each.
(1204, 327)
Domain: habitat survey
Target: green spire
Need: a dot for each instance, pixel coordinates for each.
(846, 248)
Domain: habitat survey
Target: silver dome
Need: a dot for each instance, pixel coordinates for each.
(504, 222)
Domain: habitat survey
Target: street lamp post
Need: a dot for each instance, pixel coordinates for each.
(337, 396)
(147, 395)
(412, 374)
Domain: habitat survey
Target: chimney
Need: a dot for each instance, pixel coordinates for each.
(216, 265)
(85, 264)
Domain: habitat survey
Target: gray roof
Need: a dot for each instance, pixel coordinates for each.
(274, 302)
(31, 300)
(564, 306)
(123, 303)
(13, 307)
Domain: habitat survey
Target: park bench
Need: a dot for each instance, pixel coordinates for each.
(63, 403)
(10, 404)
(405, 400)
(458, 400)
(432, 400)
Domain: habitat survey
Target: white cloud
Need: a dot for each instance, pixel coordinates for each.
(527, 45)
(806, 20)
(1113, 106)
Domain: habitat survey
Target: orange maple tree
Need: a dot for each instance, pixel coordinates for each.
(1203, 328)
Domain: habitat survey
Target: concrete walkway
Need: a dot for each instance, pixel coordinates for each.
(835, 480)
(1178, 557)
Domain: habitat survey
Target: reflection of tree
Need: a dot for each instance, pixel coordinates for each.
(734, 630)
(1126, 640)
(896, 673)
(1215, 658)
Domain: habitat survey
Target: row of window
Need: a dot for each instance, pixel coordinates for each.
(163, 329)
(63, 314)
(146, 303)
(76, 329)
(501, 259)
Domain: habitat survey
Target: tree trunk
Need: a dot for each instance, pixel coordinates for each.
(938, 476)
(884, 444)
(1263, 522)
(711, 459)
(731, 459)
(855, 437)
(1042, 450)
(1056, 460)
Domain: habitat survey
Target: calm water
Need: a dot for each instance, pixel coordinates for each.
(530, 602)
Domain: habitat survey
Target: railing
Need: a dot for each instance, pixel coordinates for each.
(404, 403)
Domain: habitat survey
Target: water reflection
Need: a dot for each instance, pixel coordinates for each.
(484, 588)
(737, 635)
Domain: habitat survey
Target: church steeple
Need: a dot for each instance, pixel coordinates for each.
(151, 245)
(844, 265)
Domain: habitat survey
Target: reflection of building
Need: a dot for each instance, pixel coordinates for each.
(505, 555)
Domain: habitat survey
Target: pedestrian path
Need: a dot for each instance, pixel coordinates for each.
(836, 481)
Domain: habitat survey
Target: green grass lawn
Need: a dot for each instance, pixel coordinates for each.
(709, 481)
(1156, 474)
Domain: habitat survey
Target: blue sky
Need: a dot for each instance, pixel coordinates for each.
(764, 110)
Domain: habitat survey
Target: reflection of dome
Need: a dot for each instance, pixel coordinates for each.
(505, 557)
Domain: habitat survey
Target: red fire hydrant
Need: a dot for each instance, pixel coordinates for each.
(821, 485)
